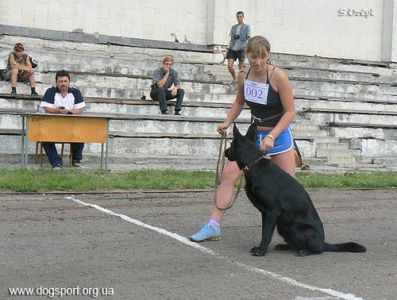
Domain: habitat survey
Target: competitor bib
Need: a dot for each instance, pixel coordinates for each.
(256, 91)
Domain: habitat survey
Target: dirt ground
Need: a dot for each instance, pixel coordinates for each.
(133, 245)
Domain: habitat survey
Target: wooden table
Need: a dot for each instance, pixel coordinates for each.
(57, 128)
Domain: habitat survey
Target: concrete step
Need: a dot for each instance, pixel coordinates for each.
(308, 79)
(339, 76)
(350, 119)
(88, 56)
(133, 92)
(332, 146)
(384, 160)
(364, 132)
(125, 68)
(129, 160)
(120, 163)
(134, 106)
(87, 62)
(353, 91)
(169, 127)
(342, 161)
(375, 147)
(116, 81)
(142, 107)
(314, 161)
(346, 99)
(325, 72)
(179, 126)
(151, 144)
(326, 139)
(128, 147)
(349, 166)
(306, 148)
(337, 153)
(146, 123)
(302, 124)
(39, 48)
(210, 109)
(304, 86)
(134, 88)
(346, 106)
(121, 146)
(128, 106)
(313, 134)
(333, 64)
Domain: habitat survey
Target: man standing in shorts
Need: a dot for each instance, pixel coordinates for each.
(239, 35)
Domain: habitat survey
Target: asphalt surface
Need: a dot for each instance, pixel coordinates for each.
(53, 244)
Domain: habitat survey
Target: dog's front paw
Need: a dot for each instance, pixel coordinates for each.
(302, 253)
(257, 251)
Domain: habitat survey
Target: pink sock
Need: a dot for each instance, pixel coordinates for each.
(214, 223)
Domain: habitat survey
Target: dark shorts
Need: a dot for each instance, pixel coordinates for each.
(231, 54)
(21, 77)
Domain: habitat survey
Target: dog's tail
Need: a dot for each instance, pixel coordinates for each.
(344, 247)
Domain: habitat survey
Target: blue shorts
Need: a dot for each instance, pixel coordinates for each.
(283, 142)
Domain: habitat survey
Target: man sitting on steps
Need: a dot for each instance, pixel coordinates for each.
(166, 86)
(20, 69)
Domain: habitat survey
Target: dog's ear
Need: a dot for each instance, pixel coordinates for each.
(236, 132)
(251, 132)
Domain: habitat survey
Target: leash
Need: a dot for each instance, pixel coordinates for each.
(259, 120)
(219, 170)
(248, 167)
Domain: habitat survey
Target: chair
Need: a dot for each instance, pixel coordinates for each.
(39, 147)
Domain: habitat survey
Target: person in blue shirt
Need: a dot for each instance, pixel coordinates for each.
(63, 99)
(239, 35)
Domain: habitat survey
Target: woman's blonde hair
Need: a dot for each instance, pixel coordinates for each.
(258, 45)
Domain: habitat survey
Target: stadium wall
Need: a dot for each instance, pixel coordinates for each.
(352, 29)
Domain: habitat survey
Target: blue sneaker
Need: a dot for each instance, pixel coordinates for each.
(207, 233)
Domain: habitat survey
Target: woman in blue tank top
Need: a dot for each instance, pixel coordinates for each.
(268, 92)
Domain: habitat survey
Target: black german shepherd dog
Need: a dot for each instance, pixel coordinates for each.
(281, 200)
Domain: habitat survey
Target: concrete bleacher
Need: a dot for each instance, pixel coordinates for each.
(346, 110)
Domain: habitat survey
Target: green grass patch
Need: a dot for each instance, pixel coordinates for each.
(42, 180)
(349, 180)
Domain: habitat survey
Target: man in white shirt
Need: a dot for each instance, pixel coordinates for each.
(63, 99)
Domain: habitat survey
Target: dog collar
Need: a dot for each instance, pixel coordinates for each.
(248, 167)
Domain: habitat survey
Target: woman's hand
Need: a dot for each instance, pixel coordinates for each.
(267, 143)
(222, 128)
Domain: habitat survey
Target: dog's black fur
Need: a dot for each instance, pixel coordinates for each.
(281, 200)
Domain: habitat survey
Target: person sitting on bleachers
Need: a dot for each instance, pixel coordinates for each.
(20, 69)
(63, 99)
(166, 86)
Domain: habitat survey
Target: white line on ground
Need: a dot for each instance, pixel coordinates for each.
(203, 249)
